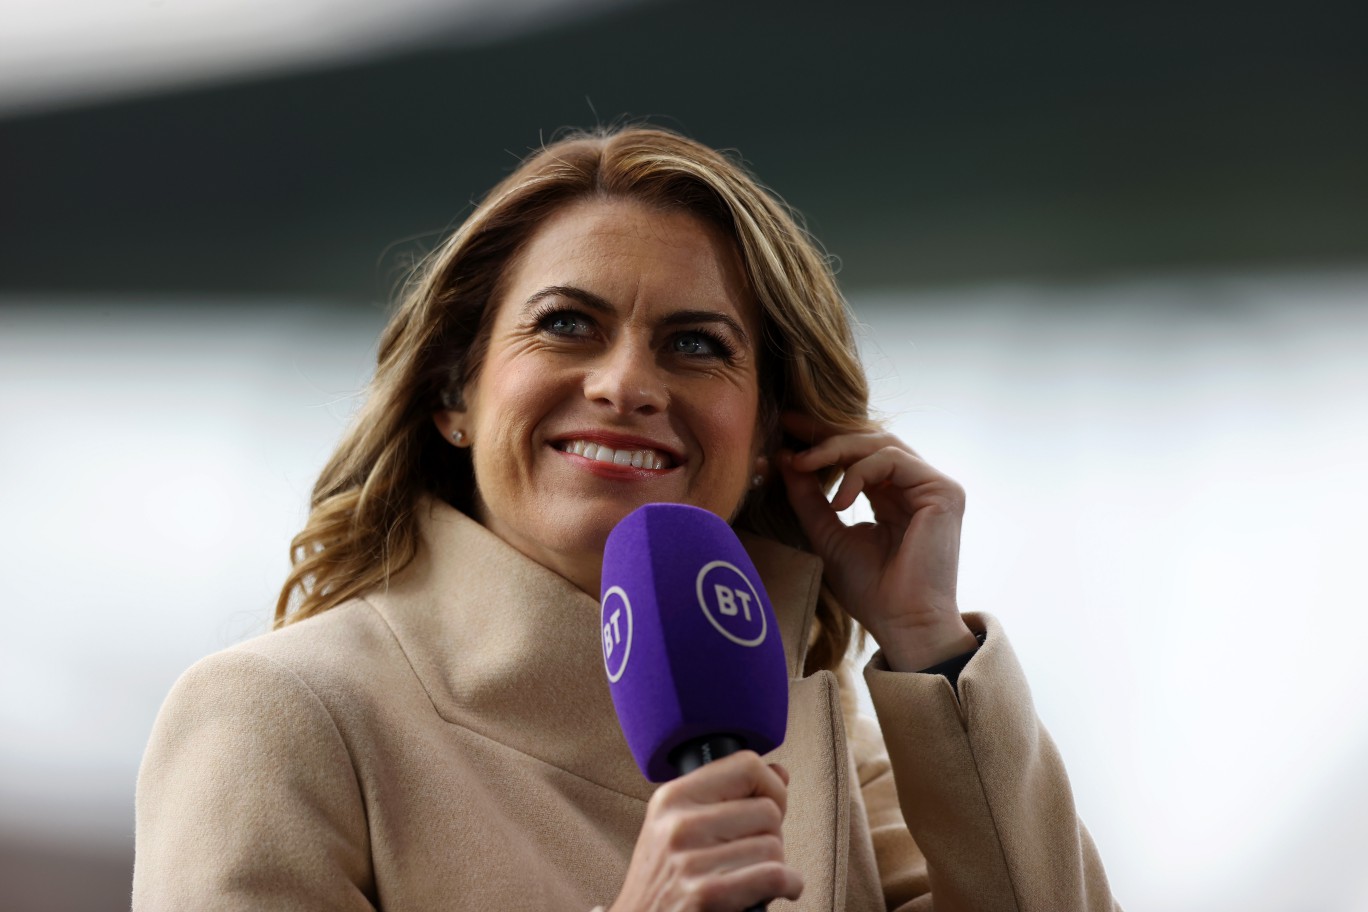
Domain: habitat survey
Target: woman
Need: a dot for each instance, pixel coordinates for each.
(628, 318)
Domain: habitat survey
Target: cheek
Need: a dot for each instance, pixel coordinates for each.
(734, 426)
(509, 392)
(512, 403)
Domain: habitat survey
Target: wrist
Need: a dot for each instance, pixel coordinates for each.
(915, 649)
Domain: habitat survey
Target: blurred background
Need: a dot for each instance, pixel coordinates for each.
(1111, 264)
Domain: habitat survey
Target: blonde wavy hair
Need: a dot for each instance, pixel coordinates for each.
(362, 526)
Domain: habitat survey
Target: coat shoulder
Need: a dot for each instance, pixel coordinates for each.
(343, 646)
(250, 772)
(345, 662)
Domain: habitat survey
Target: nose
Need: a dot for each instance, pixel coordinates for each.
(628, 379)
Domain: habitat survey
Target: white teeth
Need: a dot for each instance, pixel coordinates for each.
(641, 459)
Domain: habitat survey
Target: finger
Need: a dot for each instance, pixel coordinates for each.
(740, 775)
(727, 821)
(732, 856)
(694, 827)
(751, 886)
(845, 449)
(902, 470)
(809, 502)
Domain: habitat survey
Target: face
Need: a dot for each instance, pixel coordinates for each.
(621, 370)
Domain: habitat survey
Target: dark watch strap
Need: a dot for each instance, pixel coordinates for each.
(951, 668)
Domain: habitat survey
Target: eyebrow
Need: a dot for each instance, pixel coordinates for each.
(677, 318)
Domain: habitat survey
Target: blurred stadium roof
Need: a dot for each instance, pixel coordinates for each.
(309, 148)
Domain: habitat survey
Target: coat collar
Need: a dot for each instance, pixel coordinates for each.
(511, 650)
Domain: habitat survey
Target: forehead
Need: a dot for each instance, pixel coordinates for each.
(632, 255)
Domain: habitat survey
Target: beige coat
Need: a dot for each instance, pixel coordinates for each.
(450, 744)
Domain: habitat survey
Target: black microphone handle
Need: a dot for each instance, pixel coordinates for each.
(690, 755)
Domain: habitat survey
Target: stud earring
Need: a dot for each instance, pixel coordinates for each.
(458, 437)
(757, 480)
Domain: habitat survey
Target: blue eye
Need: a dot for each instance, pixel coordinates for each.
(566, 323)
(701, 344)
(691, 344)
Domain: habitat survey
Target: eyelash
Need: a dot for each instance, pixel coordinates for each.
(548, 314)
(725, 350)
(544, 316)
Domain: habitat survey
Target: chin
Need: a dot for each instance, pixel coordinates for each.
(584, 532)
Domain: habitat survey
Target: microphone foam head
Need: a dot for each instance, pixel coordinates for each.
(690, 642)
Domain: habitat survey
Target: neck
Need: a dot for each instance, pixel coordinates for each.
(582, 566)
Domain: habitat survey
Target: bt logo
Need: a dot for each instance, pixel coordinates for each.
(616, 617)
(731, 603)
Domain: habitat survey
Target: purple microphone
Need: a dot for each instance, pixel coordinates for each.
(690, 643)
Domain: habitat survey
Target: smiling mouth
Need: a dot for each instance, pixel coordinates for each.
(638, 459)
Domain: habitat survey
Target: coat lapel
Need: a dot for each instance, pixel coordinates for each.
(510, 650)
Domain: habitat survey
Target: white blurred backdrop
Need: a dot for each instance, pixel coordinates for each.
(1167, 507)
(56, 54)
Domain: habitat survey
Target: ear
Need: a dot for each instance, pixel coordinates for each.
(453, 424)
(455, 419)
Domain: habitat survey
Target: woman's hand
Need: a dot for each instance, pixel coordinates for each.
(711, 842)
(897, 575)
